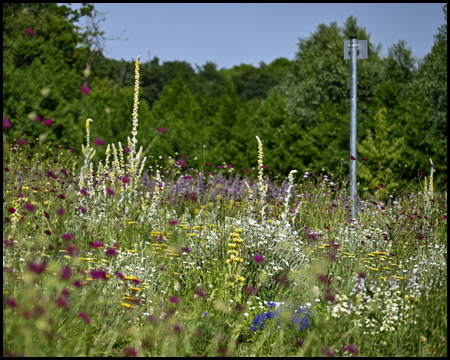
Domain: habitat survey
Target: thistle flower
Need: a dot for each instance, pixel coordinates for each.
(351, 348)
(110, 252)
(85, 317)
(85, 89)
(6, 123)
(38, 268)
(29, 207)
(258, 258)
(98, 274)
(99, 142)
(66, 273)
(47, 122)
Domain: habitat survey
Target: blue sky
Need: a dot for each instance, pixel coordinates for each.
(231, 34)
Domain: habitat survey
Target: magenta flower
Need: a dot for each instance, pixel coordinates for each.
(174, 299)
(72, 149)
(38, 268)
(125, 180)
(181, 162)
(67, 236)
(251, 290)
(131, 352)
(258, 258)
(62, 196)
(8, 243)
(12, 210)
(110, 191)
(186, 249)
(323, 279)
(22, 142)
(178, 328)
(230, 166)
(82, 209)
(162, 130)
(126, 150)
(96, 244)
(29, 32)
(37, 118)
(29, 207)
(60, 211)
(6, 123)
(99, 142)
(329, 296)
(66, 273)
(84, 192)
(48, 232)
(98, 274)
(110, 252)
(201, 293)
(47, 122)
(119, 275)
(351, 348)
(364, 159)
(185, 156)
(245, 170)
(71, 249)
(11, 302)
(219, 167)
(85, 317)
(352, 157)
(85, 89)
(173, 222)
(208, 164)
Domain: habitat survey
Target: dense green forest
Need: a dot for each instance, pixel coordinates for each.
(55, 77)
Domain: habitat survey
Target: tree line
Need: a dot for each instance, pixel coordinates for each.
(54, 69)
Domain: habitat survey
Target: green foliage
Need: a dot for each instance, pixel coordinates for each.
(383, 151)
(432, 86)
(299, 107)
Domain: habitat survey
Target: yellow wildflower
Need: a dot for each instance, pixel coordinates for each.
(127, 305)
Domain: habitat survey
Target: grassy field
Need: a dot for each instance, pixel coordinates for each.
(184, 258)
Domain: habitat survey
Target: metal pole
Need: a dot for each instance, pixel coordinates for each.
(353, 57)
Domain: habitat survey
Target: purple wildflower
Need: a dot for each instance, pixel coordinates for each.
(85, 317)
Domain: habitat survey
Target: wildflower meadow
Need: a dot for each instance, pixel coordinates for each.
(184, 257)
